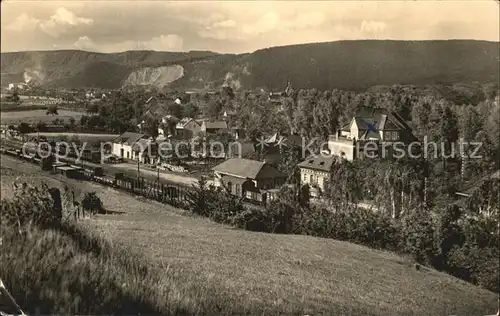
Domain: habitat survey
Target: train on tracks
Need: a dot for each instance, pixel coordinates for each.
(172, 194)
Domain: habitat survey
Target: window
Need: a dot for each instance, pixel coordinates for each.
(305, 177)
(230, 187)
(311, 179)
(128, 154)
(388, 135)
(395, 136)
(252, 195)
(238, 189)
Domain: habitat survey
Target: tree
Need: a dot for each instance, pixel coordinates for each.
(190, 110)
(52, 110)
(325, 116)
(93, 108)
(418, 236)
(289, 159)
(92, 203)
(15, 97)
(24, 128)
(151, 127)
(174, 109)
(344, 186)
(72, 122)
(41, 126)
(214, 108)
(227, 91)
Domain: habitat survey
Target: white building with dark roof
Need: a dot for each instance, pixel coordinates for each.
(133, 146)
(248, 178)
(315, 171)
(370, 125)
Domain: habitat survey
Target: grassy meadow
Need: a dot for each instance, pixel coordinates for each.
(35, 116)
(146, 257)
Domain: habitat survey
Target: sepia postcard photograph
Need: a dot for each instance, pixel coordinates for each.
(302, 158)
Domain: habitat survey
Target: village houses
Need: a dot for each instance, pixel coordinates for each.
(187, 128)
(370, 125)
(248, 178)
(315, 172)
(134, 146)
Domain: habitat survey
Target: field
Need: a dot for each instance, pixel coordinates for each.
(34, 116)
(264, 273)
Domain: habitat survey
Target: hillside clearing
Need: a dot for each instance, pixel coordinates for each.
(270, 273)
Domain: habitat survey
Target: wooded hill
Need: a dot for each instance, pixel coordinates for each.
(349, 65)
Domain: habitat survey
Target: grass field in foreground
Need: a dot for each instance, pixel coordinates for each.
(34, 116)
(275, 274)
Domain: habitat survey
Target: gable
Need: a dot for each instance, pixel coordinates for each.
(390, 125)
(192, 124)
(353, 124)
(269, 172)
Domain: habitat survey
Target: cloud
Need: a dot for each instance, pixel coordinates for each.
(84, 43)
(236, 26)
(231, 30)
(61, 21)
(266, 23)
(23, 23)
(225, 24)
(170, 42)
(372, 26)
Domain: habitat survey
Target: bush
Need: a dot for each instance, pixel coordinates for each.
(449, 240)
(91, 202)
(29, 207)
(418, 237)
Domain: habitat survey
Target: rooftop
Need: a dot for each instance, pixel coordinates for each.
(184, 121)
(215, 124)
(319, 162)
(246, 168)
(380, 119)
(129, 138)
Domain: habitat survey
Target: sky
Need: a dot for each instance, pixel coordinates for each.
(235, 26)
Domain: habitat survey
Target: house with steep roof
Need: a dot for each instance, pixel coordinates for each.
(379, 127)
(247, 178)
(315, 171)
(187, 128)
(276, 143)
(134, 146)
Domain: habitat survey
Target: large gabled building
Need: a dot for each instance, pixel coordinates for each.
(316, 171)
(248, 178)
(134, 146)
(376, 126)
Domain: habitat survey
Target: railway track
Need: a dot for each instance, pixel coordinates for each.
(148, 186)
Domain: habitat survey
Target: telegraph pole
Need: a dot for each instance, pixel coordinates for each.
(138, 171)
